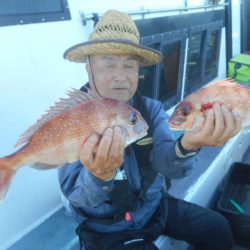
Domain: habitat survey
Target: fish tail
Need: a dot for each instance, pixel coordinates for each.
(7, 171)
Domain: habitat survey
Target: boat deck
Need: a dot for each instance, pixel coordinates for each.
(58, 231)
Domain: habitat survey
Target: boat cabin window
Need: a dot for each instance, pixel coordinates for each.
(203, 56)
(33, 11)
(163, 81)
(147, 78)
(190, 55)
(169, 82)
(212, 53)
(194, 64)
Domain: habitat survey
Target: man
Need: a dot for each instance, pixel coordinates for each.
(119, 195)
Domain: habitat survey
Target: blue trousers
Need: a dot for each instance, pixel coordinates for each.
(203, 228)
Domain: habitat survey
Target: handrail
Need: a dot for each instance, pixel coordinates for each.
(93, 16)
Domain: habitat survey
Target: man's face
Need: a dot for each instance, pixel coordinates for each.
(115, 76)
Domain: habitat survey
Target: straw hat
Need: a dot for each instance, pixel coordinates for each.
(115, 33)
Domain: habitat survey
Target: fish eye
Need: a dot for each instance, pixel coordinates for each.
(132, 118)
(184, 111)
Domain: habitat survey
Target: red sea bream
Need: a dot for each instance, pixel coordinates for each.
(190, 114)
(57, 136)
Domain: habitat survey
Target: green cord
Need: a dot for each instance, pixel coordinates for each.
(237, 206)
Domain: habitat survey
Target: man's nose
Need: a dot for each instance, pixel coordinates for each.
(119, 73)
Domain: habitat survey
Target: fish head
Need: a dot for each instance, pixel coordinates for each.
(131, 122)
(187, 117)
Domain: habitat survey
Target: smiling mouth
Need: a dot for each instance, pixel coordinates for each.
(120, 90)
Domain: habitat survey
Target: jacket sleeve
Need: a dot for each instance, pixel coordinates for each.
(163, 155)
(81, 187)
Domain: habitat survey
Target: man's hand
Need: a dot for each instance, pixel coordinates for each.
(103, 156)
(220, 125)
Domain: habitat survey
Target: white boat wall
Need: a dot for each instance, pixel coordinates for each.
(33, 75)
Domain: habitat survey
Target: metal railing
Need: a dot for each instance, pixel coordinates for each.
(94, 16)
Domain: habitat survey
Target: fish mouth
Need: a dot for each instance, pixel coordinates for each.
(174, 125)
(130, 140)
(140, 136)
(143, 134)
(177, 127)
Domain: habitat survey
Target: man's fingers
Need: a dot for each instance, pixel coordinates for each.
(219, 121)
(109, 153)
(229, 122)
(122, 146)
(237, 122)
(209, 123)
(114, 149)
(88, 149)
(230, 125)
(104, 145)
(220, 125)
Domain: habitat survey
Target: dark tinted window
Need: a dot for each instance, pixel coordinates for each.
(146, 81)
(147, 78)
(212, 53)
(28, 6)
(190, 45)
(194, 64)
(169, 70)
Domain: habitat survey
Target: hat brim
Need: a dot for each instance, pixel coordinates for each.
(80, 52)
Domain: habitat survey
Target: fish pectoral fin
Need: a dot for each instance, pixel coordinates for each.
(42, 166)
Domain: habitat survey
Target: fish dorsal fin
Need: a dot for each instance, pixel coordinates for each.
(227, 82)
(75, 97)
(224, 82)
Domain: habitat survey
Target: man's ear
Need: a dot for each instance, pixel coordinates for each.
(90, 76)
(87, 66)
(88, 69)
